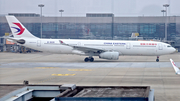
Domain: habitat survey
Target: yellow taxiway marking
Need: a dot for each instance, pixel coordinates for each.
(79, 70)
(46, 80)
(46, 67)
(63, 74)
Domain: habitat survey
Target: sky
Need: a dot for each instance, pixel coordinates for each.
(81, 7)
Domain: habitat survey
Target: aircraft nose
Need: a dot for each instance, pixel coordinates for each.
(174, 50)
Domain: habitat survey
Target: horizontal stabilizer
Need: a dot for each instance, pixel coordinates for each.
(15, 40)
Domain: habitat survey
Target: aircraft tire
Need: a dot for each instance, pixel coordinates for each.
(86, 59)
(91, 59)
(157, 60)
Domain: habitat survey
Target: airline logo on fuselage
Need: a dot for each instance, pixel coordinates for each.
(20, 30)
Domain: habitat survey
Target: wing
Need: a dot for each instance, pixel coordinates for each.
(84, 48)
(87, 49)
(176, 69)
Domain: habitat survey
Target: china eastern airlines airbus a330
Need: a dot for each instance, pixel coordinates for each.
(105, 49)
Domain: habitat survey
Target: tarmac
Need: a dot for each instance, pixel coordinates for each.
(57, 69)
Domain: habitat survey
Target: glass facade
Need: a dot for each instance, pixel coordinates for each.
(67, 30)
(145, 30)
(4, 28)
(24, 14)
(99, 15)
(171, 30)
(152, 30)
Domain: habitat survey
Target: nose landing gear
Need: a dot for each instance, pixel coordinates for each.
(91, 59)
(157, 60)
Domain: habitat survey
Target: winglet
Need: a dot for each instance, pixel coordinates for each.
(176, 69)
(61, 42)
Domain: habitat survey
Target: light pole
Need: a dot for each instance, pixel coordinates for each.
(61, 11)
(112, 26)
(163, 11)
(41, 5)
(166, 5)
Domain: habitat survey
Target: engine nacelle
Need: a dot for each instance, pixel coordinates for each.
(109, 55)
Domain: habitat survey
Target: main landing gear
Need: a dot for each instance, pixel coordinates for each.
(91, 59)
(157, 60)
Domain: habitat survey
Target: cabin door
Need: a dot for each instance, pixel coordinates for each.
(160, 46)
(39, 43)
(128, 46)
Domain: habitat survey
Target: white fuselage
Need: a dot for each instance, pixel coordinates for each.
(147, 48)
(105, 49)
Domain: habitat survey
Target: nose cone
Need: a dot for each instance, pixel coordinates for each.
(173, 50)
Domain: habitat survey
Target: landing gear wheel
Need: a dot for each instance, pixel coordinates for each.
(91, 59)
(157, 60)
(86, 59)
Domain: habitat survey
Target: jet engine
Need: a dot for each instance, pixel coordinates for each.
(109, 55)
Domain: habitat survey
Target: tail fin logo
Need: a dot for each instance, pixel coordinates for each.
(20, 30)
(174, 64)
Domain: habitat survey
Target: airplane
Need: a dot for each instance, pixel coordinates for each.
(176, 69)
(105, 49)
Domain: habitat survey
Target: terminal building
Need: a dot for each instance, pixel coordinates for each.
(101, 26)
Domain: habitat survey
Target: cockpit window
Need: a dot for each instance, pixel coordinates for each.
(169, 46)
